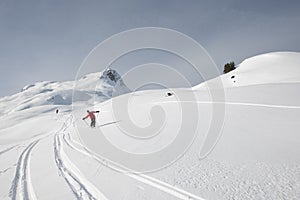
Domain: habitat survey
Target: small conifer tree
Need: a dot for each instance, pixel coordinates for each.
(229, 67)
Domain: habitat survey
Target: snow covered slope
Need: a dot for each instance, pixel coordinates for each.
(44, 155)
(277, 67)
(98, 86)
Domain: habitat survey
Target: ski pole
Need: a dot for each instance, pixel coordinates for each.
(86, 123)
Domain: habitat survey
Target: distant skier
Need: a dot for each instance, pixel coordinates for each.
(92, 116)
(56, 111)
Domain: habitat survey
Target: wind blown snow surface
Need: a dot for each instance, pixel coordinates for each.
(42, 156)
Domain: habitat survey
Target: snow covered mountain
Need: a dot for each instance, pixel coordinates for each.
(98, 86)
(44, 155)
(112, 78)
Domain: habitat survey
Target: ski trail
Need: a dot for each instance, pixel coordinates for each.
(259, 105)
(235, 103)
(21, 187)
(8, 149)
(174, 191)
(80, 187)
(5, 170)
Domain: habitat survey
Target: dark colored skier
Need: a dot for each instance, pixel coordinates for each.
(92, 116)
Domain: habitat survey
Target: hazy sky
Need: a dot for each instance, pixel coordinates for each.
(48, 40)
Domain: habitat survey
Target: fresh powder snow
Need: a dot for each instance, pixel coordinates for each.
(43, 156)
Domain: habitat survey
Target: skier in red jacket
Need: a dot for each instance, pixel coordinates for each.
(92, 116)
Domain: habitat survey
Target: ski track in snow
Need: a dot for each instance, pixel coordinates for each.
(259, 105)
(174, 191)
(21, 187)
(80, 187)
(235, 103)
(5, 170)
(8, 149)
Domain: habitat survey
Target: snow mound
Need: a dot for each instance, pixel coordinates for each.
(41, 84)
(275, 67)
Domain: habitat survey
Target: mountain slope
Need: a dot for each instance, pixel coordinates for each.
(44, 155)
(277, 67)
(100, 86)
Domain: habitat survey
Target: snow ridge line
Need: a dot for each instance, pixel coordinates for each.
(80, 187)
(174, 191)
(8, 149)
(21, 187)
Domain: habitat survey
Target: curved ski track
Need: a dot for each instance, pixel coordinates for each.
(21, 187)
(8, 149)
(80, 186)
(237, 103)
(174, 191)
